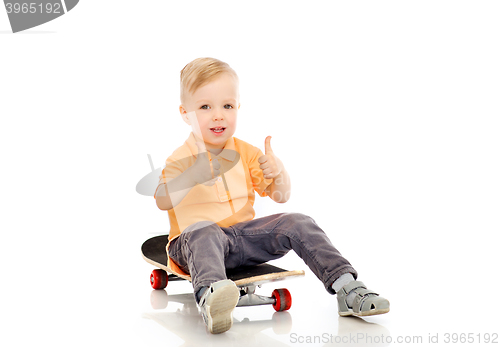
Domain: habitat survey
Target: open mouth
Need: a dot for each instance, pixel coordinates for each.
(218, 130)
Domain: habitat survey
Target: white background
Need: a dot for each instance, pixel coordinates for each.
(385, 113)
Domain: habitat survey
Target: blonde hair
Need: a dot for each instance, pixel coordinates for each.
(200, 72)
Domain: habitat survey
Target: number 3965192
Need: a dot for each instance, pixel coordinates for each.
(33, 7)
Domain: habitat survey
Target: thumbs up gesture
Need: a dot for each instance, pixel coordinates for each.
(270, 165)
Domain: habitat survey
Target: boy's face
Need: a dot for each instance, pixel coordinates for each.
(216, 106)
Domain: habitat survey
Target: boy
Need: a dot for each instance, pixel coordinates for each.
(208, 188)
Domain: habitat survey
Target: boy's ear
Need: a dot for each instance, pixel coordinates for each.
(239, 105)
(183, 112)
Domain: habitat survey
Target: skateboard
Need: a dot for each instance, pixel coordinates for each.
(247, 279)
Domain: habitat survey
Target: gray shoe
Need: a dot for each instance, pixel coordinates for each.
(217, 304)
(366, 302)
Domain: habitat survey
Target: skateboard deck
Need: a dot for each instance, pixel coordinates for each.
(154, 252)
(246, 278)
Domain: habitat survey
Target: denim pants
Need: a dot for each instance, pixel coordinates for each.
(205, 250)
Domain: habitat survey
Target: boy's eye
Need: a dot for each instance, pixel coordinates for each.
(228, 106)
(205, 107)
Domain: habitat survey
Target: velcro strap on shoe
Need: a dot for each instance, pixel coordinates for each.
(353, 285)
(362, 292)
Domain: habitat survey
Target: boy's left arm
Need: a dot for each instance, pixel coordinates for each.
(273, 168)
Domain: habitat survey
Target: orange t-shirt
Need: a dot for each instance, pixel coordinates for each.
(230, 200)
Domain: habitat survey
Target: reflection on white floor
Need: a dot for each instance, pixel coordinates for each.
(186, 323)
(304, 323)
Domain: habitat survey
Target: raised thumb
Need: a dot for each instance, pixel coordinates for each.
(268, 148)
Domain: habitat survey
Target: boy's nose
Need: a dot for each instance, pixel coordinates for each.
(217, 116)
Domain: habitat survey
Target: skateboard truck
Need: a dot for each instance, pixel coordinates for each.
(249, 298)
(280, 299)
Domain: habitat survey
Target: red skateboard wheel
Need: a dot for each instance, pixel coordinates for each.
(283, 299)
(158, 279)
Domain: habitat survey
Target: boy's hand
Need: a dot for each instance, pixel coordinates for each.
(270, 165)
(201, 171)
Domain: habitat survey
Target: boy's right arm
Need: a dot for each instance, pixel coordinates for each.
(170, 194)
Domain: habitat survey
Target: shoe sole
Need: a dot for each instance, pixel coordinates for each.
(366, 313)
(220, 308)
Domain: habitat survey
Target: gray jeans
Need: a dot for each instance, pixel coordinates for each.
(205, 250)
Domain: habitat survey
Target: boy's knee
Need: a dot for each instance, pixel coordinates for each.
(300, 225)
(203, 229)
(299, 218)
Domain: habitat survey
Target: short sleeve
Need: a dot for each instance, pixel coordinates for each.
(172, 169)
